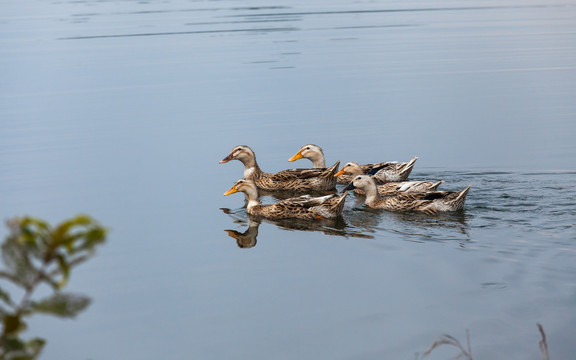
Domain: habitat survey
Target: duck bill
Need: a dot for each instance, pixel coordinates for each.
(297, 156)
(226, 159)
(350, 187)
(231, 191)
(232, 233)
(341, 172)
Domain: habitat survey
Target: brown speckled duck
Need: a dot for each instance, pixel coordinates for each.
(384, 171)
(303, 207)
(352, 169)
(292, 179)
(430, 202)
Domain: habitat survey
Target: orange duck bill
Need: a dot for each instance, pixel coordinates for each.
(298, 156)
(227, 158)
(231, 191)
(341, 172)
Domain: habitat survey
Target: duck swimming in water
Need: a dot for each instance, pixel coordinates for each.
(292, 179)
(384, 171)
(303, 207)
(353, 169)
(427, 202)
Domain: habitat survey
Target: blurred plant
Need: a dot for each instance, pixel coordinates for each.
(543, 344)
(34, 253)
(466, 353)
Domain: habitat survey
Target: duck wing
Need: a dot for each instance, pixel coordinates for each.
(371, 169)
(306, 201)
(297, 174)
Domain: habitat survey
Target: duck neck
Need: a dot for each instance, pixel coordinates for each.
(252, 229)
(371, 192)
(318, 161)
(251, 199)
(251, 167)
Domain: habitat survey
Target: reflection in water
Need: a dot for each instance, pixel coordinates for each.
(411, 226)
(362, 222)
(441, 226)
(248, 238)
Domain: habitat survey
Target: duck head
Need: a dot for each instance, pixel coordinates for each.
(311, 152)
(350, 168)
(240, 152)
(361, 182)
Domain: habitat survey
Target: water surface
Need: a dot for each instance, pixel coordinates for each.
(122, 110)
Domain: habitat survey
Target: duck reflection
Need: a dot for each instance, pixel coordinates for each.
(248, 238)
(412, 226)
(441, 226)
(360, 221)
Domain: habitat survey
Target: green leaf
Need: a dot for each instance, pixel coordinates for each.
(88, 241)
(13, 344)
(78, 234)
(20, 269)
(34, 233)
(64, 270)
(12, 324)
(16, 349)
(62, 233)
(61, 305)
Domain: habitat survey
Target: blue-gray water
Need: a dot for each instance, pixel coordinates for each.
(122, 110)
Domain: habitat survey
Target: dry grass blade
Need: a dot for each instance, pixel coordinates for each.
(543, 343)
(450, 340)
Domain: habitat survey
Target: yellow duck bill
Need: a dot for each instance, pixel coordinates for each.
(231, 191)
(298, 156)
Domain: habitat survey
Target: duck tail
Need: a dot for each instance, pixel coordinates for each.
(340, 203)
(434, 186)
(458, 202)
(333, 169)
(408, 167)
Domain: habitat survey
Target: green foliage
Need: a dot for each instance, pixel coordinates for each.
(33, 254)
(61, 304)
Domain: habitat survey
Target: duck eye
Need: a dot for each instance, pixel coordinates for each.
(308, 148)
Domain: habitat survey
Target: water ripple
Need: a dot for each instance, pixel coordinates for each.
(261, 30)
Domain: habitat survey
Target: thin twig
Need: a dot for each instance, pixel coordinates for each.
(450, 340)
(543, 343)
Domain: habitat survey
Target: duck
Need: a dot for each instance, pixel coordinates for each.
(352, 169)
(302, 207)
(425, 202)
(298, 180)
(384, 171)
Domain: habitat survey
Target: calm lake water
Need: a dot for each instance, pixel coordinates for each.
(122, 110)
